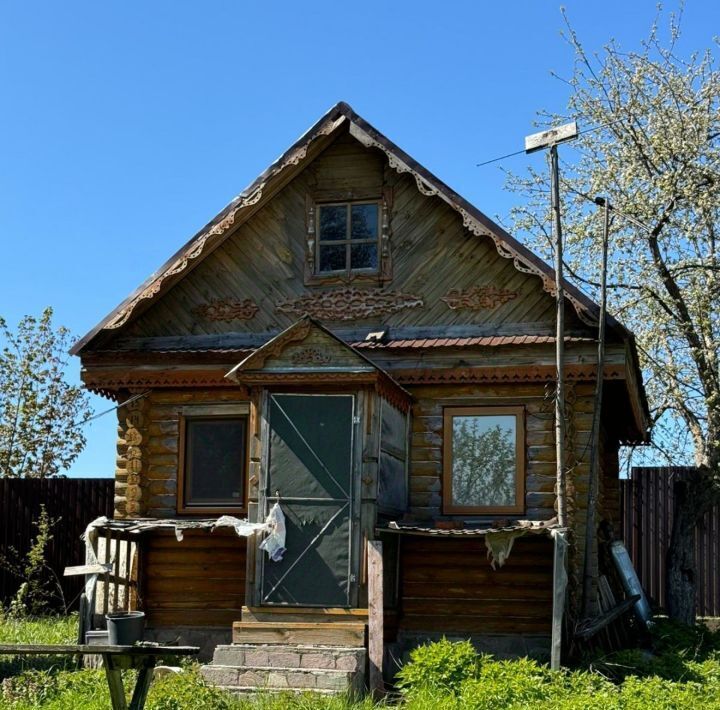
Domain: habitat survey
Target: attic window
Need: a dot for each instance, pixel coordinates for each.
(348, 236)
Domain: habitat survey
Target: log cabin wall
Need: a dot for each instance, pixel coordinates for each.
(199, 581)
(449, 587)
(426, 454)
(146, 480)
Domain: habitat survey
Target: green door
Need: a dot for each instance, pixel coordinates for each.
(309, 471)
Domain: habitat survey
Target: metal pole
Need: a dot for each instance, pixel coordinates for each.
(590, 532)
(559, 343)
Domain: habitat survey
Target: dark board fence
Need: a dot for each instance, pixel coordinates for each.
(74, 501)
(647, 512)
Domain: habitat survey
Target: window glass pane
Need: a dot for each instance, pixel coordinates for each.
(363, 256)
(333, 222)
(364, 222)
(215, 465)
(332, 258)
(484, 461)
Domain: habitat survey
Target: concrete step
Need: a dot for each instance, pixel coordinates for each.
(272, 678)
(288, 657)
(344, 634)
(244, 691)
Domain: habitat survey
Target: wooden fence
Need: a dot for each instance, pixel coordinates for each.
(73, 502)
(647, 508)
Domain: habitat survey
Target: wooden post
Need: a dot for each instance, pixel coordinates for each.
(538, 141)
(559, 343)
(375, 617)
(559, 587)
(106, 578)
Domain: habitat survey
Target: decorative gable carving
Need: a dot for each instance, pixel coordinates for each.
(226, 310)
(346, 304)
(478, 298)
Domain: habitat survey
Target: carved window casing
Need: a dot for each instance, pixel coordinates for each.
(348, 241)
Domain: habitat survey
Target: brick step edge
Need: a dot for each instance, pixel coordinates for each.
(275, 678)
(250, 690)
(280, 656)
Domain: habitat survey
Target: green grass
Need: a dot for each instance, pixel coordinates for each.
(680, 671)
(48, 629)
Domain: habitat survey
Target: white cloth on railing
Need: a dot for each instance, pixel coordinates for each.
(242, 527)
(274, 543)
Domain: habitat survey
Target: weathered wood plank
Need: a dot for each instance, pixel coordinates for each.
(375, 619)
(340, 634)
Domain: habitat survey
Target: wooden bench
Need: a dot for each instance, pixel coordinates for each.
(115, 660)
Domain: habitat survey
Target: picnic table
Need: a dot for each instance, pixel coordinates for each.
(115, 659)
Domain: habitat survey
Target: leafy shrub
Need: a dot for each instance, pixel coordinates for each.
(40, 591)
(505, 684)
(443, 665)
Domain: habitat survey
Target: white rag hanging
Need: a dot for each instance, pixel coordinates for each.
(274, 543)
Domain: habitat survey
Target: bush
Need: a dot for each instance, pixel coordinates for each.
(444, 665)
(40, 591)
(505, 684)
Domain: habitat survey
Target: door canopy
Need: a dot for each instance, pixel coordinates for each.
(307, 353)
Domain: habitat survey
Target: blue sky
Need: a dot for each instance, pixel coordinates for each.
(125, 126)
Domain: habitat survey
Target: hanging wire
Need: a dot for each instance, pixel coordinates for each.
(518, 152)
(135, 397)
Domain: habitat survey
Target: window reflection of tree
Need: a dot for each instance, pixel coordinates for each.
(483, 469)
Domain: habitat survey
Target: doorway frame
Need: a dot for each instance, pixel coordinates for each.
(359, 396)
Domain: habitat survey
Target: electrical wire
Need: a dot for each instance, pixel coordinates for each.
(518, 152)
(112, 409)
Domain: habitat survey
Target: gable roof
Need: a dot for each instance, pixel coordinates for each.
(282, 170)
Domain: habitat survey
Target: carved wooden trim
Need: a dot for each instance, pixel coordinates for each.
(309, 378)
(346, 304)
(310, 356)
(223, 309)
(534, 373)
(478, 298)
(229, 219)
(105, 382)
(388, 389)
(274, 348)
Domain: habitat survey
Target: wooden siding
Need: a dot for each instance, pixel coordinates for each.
(431, 253)
(199, 581)
(426, 489)
(448, 585)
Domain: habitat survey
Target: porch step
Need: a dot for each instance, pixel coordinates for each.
(289, 657)
(347, 634)
(278, 679)
(248, 690)
(245, 668)
(304, 614)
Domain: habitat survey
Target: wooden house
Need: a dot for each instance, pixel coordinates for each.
(352, 339)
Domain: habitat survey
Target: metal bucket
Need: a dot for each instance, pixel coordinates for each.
(125, 628)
